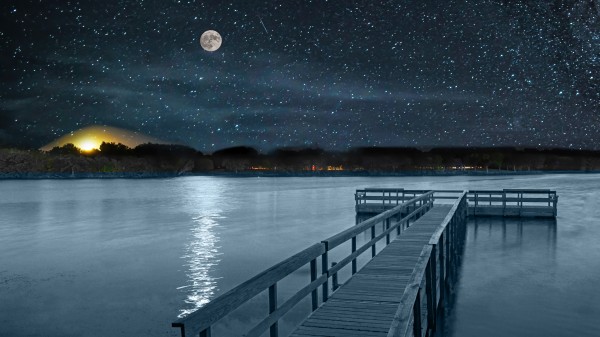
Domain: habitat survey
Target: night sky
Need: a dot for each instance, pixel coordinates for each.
(334, 74)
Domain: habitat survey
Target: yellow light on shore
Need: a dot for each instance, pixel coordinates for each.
(90, 138)
(88, 145)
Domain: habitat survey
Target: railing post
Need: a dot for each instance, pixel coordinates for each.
(313, 277)
(324, 271)
(334, 278)
(442, 268)
(429, 295)
(434, 267)
(205, 333)
(387, 226)
(274, 330)
(417, 331)
(373, 248)
(503, 203)
(353, 250)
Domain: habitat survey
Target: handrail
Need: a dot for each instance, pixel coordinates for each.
(438, 232)
(424, 203)
(203, 318)
(401, 320)
(434, 256)
(389, 229)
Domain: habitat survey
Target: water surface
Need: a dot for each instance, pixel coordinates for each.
(126, 257)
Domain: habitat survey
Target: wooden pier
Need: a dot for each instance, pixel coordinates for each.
(397, 293)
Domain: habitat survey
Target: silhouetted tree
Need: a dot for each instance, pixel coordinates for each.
(114, 150)
(68, 148)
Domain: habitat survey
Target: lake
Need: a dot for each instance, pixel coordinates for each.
(127, 257)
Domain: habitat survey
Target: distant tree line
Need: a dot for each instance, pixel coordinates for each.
(156, 158)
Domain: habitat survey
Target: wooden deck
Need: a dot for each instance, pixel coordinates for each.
(367, 303)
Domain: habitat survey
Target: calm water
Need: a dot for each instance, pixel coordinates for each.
(126, 257)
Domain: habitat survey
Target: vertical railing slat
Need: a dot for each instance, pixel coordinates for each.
(274, 329)
(313, 277)
(324, 270)
(354, 260)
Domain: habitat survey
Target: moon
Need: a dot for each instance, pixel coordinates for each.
(210, 40)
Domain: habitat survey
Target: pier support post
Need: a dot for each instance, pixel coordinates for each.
(417, 331)
(429, 284)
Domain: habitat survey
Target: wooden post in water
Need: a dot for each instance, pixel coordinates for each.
(417, 331)
(434, 283)
(442, 267)
(429, 295)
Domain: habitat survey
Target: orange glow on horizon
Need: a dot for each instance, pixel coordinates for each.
(90, 138)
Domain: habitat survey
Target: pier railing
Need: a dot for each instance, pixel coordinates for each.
(416, 206)
(506, 202)
(200, 322)
(426, 287)
(513, 201)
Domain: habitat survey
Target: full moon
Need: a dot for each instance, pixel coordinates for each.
(210, 40)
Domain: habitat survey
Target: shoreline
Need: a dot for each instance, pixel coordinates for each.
(268, 174)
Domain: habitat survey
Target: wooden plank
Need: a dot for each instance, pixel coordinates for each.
(313, 331)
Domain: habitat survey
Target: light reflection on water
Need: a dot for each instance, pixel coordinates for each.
(201, 257)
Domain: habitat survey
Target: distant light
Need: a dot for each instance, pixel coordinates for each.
(87, 145)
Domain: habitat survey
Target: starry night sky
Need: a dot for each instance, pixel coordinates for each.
(334, 74)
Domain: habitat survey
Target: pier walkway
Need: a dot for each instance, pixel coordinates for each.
(367, 303)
